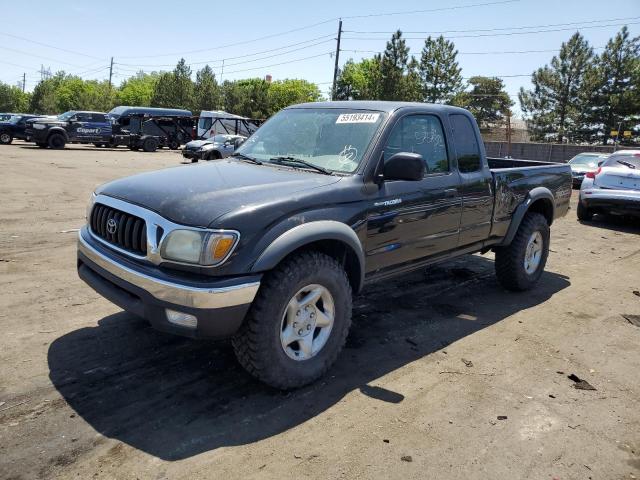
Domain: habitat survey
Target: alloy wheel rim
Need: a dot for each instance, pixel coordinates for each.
(4, 137)
(307, 322)
(533, 252)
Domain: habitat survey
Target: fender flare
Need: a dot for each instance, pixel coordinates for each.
(535, 194)
(58, 130)
(305, 234)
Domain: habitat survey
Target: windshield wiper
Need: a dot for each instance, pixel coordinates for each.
(299, 161)
(626, 164)
(247, 157)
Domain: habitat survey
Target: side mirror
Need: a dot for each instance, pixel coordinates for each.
(404, 166)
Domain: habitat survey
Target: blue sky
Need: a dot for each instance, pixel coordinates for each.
(154, 35)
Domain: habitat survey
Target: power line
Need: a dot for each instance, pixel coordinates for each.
(522, 27)
(431, 10)
(501, 34)
(48, 46)
(495, 52)
(281, 63)
(241, 56)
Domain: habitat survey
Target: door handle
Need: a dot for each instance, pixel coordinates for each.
(451, 192)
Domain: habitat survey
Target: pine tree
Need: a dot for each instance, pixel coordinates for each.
(440, 73)
(487, 100)
(553, 105)
(616, 99)
(207, 91)
(393, 66)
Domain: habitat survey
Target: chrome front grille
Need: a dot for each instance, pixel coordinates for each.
(119, 228)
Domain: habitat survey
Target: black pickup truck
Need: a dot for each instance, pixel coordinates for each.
(15, 126)
(70, 127)
(268, 245)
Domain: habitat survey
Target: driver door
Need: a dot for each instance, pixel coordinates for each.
(412, 220)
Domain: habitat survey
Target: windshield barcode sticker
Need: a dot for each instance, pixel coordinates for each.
(358, 118)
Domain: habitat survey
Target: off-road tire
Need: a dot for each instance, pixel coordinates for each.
(150, 145)
(583, 213)
(6, 138)
(509, 263)
(257, 344)
(56, 141)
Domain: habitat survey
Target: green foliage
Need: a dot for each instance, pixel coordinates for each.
(398, 80)
(283, 93)
(613, 90)
(556, 102)
(440, 73)
(12, 99)
(174, 89)
(359, 81)
(138, 90)
(207, 93)
(487, 100)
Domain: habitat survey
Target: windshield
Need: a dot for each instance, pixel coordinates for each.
(585, 160)
(66, 115)
(623, 160)
(334, 139)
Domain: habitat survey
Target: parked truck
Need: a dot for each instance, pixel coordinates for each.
(268, 246)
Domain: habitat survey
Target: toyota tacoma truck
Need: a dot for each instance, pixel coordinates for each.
(267, 246)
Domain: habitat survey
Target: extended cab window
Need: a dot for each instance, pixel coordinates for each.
(96, 117)
(420, 134)
(83, 117)
(466, 143)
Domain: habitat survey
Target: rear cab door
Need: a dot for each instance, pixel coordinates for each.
(476, 180)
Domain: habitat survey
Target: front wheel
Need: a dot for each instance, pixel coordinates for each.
(520, 264)
(57, 141)
(298, 322)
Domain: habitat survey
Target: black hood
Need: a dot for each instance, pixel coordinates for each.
(197, 194)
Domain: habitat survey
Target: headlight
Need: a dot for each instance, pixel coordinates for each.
(92, 200)
(198, 247)
(207, 146)
(39, 126)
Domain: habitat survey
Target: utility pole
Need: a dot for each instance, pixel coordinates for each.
(24, 81)
(509, 133)
(110, 72)
(335, 68)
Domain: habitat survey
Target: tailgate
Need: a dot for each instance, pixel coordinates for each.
(619, 179)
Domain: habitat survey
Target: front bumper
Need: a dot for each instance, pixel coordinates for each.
(623, 202)
(192, 154)
(38, 136)
(219, 305)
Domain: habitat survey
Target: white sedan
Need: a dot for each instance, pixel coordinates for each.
(612, 188)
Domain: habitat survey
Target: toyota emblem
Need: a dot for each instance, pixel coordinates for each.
(112, 226)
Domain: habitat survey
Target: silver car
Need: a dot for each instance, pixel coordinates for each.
(216, 147)
(583, 163)
(612, 188)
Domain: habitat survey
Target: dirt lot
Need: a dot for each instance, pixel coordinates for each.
(434, 361)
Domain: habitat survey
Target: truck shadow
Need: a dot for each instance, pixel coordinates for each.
(174, 398)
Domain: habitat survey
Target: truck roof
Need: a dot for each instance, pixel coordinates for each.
(381, 106)
(129, 110)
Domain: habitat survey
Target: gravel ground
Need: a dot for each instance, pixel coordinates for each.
(445, 375)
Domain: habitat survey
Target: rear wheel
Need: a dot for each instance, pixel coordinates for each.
(298, 322)
(174, 145)
(150, 144)
(57, 141)
(6, 138)
(520, 264)
(583, 212)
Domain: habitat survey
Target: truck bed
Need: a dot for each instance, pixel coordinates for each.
(514, 179)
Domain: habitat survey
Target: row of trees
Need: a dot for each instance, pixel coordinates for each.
(253, 97)
(580, 96)
(577, 97)
(434, 77)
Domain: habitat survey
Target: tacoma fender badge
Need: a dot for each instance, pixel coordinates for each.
(388, 203)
